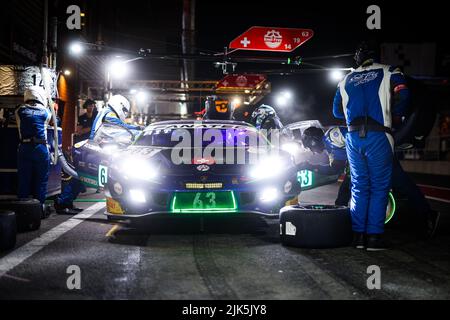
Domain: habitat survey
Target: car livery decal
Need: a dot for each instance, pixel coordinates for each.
(200, 125)
(143, 151)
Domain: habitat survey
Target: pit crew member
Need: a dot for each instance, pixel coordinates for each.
(33, 159)
(368, 98)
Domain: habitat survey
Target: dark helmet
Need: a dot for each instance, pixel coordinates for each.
(265, 117)
(312, 139)
(216, 109)
(366, 50)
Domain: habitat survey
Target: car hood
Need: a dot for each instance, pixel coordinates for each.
(162, 157)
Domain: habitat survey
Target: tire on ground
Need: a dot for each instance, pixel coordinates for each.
(28, 213)
(8, 230)
(315, 226)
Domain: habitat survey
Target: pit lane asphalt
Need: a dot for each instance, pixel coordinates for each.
(230, 259)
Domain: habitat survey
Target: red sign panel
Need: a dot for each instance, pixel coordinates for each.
(241, 81)
(271, 39)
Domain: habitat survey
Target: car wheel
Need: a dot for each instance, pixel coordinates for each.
(28, 213)
(315, 226)
(8, 230)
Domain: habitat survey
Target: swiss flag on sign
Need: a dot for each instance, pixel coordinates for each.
(271, 39)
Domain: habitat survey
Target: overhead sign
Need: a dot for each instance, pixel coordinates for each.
(271, 39)
(241, 81)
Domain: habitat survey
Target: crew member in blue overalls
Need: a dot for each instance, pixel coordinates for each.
(333, 143)
(368, 98)
(116, 111)
(33, 159)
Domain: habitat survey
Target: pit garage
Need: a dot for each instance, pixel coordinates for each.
(151, 228)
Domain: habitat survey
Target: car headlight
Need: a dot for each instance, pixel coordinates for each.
(137, 196)
(139, 169)
(269, 167)
(269, 195)
(293, 148)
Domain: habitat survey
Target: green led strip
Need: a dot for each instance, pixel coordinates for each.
(206, 210)
(393, 207)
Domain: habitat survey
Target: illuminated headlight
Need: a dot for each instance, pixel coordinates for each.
(137, 196)
(118, 188)
(269, 167)
(292, 148)
(269, 195)
(139, 169)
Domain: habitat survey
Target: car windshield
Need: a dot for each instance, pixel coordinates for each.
(173, 137)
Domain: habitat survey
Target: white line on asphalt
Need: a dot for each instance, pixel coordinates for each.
(13, 259)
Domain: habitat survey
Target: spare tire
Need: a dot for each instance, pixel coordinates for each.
(8, 230)
(28, 213)
(315, 226)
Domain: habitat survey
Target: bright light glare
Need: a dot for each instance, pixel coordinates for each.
(139, 169)
(76, 48)
(291, 147)
(283, 98)
(281, 101)
(118, 69)
(137, 196)
(287, 94)
(110, 149)
(133, 91)
(67, 72)
(269, 167)
(269, 195)
(336, 75)
(142, 97)
(237, 101)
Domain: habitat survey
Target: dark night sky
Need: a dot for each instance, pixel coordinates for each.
(338, 27)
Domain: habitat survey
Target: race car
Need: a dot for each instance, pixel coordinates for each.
(307, 179)
(188, 167)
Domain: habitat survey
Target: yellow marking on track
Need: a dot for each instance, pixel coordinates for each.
(113, 230)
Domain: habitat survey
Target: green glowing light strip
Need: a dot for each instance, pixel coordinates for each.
(215, 210)
(391, 214)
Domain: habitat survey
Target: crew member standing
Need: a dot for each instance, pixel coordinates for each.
(86, 120)
(368, 98)
(33, 159)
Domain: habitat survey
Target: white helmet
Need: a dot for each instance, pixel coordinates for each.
(120, 105)
(35, 93)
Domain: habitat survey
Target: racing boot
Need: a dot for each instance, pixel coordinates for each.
(359, 240)
(71, 207)
(375, 242)
(64, 209)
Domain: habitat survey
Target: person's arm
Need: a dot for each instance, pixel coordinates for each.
(338, 111)
(119, 122)
(400, 93)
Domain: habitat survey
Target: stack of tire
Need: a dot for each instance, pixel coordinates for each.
(315, 226)
(18, 216)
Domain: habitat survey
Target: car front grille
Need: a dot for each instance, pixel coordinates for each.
(201, 185)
